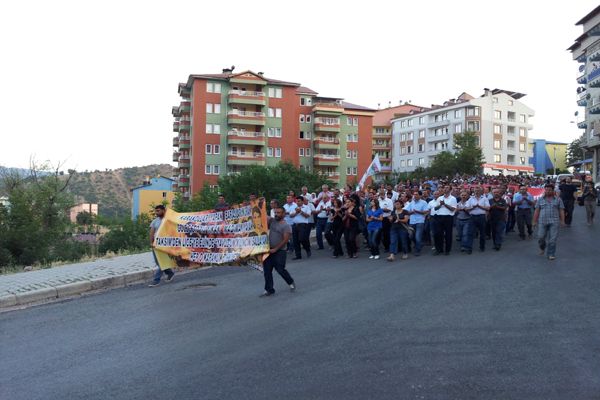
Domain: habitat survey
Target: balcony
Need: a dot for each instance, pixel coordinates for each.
(184, 142)
(595, 56)
(582, 79)
(176, 126)
(175, 111)
(438, 138)
(176, 141)
(582, 124)
(594, 107)
(382, 134)
(593, 78)
(237, 117)
(175, 156)
(385, 169)
(184, 161)
(244, 137)
(327, 159)
(247, 97)
(184, 125)
(385, 158)
(325, 124)
(324, 142)
(332, 176)
(382, 146)
(582, 99)
(243, 158)
(185, 107)
(437, 124)
(328, 108)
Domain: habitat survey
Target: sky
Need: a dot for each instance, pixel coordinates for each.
(91, 84)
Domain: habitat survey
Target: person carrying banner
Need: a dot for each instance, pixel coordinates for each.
(279, 235)
(159, 212)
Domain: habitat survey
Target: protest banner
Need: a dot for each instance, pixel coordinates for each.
(237, 235)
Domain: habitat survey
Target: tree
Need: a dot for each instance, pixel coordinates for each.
(574, 151)
(443, 164)
(468, 155)
(85, 218)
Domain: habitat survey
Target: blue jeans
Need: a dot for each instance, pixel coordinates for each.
(418, 236)
(547, 234)
(477, 223)
(374, 238)
(321, 227)
(159, 272)
(498, 230)
(398, 236)
(462, 226)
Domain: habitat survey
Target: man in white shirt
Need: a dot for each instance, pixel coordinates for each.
(321, 214)
(444, 212)
(289, 206)
(307, 196)
(432, 204)
(478, 207)
(324, 190)
(301, 229)
(387, 205)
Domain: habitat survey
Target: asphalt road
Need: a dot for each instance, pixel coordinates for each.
(493, 325)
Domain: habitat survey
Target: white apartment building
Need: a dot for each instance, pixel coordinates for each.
(498, 118)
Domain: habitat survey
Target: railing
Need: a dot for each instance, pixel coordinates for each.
(184, 157)
(328, 156)
(246, 113)
(247, 93)
(326, 139)
(184, 138)
(327, 104)
(245, 155)
(245, 133)
(327, 121)
(594, 74)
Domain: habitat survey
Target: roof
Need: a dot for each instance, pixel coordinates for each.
(150, 184)
(305, 90)
(384, 116)
(351, 106)
(228, 75)
(514, 95)
(589, 16)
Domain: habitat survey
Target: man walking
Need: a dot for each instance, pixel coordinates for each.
(498, 207)
(279, 235)
(418, 210)
(478, 207)
(524, 203)
(462, 220)
(567, 194)
(386, 204)
(444, 220)
(301, 229)
(159, 212)
(549, 213)
(322, 214)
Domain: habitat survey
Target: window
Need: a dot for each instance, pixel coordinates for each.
(421, 161)
(421, 120)
(458, 128)
(494, 99)
(213, 128)
(269, 152)
(402, 163)
(497, 144)
(510, 130)
(208, 169)
(355, 121)
(522, 118)
(497, 128)
(305, 134)
(510, 144)
(473, 126)
(302, 119)
(301, 152)
(216, 149)
(215, 170)
(305, 101)
(422, 134)
(308, 118)
(409, 162)
(511, 103)
(409, 149)
(275, 93)
(307, 152)
(521, 146)
(403, 124)
(278, 152)
(510, 116)
(402, 150)
(213, 108)
(410, 136)
(274, 132)
(209, 108)
(497, 114)
(348, 170)
(497, 158)
(457, 113)
(278, 113)
(522, 132)
(403, 137)
(354, 154)
(473, 112)
(209, 149)
(348, 120)
(522, 159)
(352, 137)
(348, 153)
(354, 171)
(421, 148)
(410, 122)
(212, 87)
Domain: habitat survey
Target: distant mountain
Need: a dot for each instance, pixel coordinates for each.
(111, 189)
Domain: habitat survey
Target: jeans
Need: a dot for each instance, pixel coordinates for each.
(462, 225)
(399, 239)
(498, 229)
(300, 235)
(418, 236)
(277, 261)
(547, 234)
(477, 223)
(443, 236)
(523, 219)
(321, 228)
(159, 272)
(374, 238)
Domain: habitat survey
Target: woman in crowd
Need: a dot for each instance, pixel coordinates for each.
(337, 228)
(399, 231)
(374, 225)
(350, 220)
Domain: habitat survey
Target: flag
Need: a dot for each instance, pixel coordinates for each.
(374, 168)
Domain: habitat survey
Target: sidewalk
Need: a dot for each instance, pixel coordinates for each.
(60, 282)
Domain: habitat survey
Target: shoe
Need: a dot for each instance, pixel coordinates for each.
(447, 253)
(320, 248)
(308, 254)
(436, 253)
(390, 258)
(542, 252)
(154, 284)
(462, 250)
(355, 256)
(405, 256)
(417, 254)
(266, 294)
(334, 256)
(170, 278)
(292, 287)
(551, 258)
(371, 257)
(481, 250)
(297, 258)
(497, 248)
(469, 251)
(376, 257)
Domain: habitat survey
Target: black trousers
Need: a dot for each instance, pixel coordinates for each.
(336, 241)
(443, 233)
(524, 219)
(569, 206)
(350, 237)
(276, 261)
(300, 236)
(385, 234)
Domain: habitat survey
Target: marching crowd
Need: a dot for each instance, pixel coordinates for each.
(402, 220)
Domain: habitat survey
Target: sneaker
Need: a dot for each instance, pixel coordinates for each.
(266, 294)
(404, 256)
(376, 257)
(542, 252)
(292, 287)
(154, 284)
(371, 257)
(390, 258)
(170, 278)
(551, 258)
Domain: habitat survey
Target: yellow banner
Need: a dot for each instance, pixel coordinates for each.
(237, 235)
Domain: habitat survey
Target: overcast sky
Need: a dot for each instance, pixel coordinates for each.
(92, 83)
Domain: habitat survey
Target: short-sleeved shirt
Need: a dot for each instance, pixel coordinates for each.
(376, 224)
(386, 203)
(155, 224)
(495, 213)
(298, 217)
(567, 190)
(420, 205)
(549, 209)
(461, 213)
(450, 201)
(524, 205)
(481, 201)
(289, 208)
(276, 231)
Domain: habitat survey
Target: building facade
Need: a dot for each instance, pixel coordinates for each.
(498, 118)
(547, 156)
(586, 51)
(228, 121)
(91, 208)
(152, 192)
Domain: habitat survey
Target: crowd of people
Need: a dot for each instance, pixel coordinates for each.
(402, 220)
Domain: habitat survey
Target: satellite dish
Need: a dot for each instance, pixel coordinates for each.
(576, 113)
(581, 68)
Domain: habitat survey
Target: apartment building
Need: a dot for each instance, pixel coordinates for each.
(382, 134)
(586, 51)
(228, 121)
(498, 118)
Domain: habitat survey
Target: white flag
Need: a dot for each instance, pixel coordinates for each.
(374, 168)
